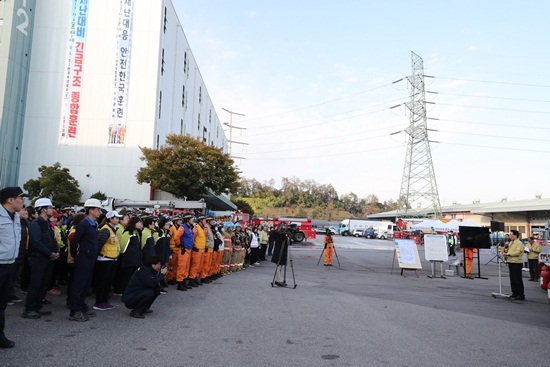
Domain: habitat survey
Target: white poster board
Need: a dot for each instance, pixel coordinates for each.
(435, 246)
(407, 254)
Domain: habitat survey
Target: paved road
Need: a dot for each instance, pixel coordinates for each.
(354, 315)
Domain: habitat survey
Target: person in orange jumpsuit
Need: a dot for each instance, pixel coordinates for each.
(175, 233)
(469, 256)
(199, 244)
(206, 268)
(184, 254)
(329, 248)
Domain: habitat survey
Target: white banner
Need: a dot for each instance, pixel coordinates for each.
(117, 125)
(70, 108)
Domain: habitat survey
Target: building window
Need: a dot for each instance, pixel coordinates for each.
(165, 18)
(210, 117)
(184, 62)
(160, 103)
(158, 141)
(181, 127)
(162, 63)
(200, 95)
(199, 123)
(521, 229)
(183, 97)
(204, 131)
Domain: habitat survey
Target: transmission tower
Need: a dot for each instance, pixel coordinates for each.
(419, 196)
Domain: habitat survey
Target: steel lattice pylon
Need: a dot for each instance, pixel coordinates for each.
(419, 196)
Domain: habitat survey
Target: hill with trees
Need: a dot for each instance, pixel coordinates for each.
(305, 198)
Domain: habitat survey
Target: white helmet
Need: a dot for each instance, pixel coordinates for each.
(42, 202)
(92, 203)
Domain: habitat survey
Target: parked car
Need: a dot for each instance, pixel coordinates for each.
(357, 233)
(323, 230)
(369, 233)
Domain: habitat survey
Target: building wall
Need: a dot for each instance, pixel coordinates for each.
(16, 34)
(93, 160)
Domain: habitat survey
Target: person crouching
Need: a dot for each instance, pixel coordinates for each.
(144, 287)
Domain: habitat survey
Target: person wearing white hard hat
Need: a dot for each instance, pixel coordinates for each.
(43, 250)
(84, 250)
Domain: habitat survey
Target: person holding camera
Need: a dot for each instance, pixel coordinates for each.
(144, 287)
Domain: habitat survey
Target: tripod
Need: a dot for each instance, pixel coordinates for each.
(284, 249)
(335, 253)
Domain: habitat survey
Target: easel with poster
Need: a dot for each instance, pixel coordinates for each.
(435, 246)
(407, 256)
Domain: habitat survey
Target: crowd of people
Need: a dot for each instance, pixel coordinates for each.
(130, 254)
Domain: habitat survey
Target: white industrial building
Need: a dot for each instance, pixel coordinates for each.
(105, 77)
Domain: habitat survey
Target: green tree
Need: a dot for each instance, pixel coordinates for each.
(243, 206)
(187, 167)
(55, 183)
(99, 196)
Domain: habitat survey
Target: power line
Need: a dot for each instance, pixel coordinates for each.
(491, 108)
(325, 155)
(492, 147)
(330, 137)
(489, 97)
(319, 104)
(494, 136)
(320, 146)
(494, 124)
(488, 81)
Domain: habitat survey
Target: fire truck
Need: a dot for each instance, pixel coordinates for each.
(168, 207)
(299, 227)
(403, 232)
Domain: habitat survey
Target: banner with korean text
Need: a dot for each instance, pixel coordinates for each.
(119, 115)
(70, 108)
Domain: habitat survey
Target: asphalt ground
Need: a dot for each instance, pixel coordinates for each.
(355, 314)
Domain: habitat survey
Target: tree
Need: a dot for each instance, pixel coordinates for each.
(99, 196)
(186, 167)
(243, 206)
(55, 183)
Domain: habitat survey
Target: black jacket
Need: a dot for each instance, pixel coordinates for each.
(144, 282)
(42, 238)
(85, 242)
(280, 250)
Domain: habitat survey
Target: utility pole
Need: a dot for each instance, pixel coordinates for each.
(419, 195)
(231, 127)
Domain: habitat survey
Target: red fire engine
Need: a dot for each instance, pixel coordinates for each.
(299, 227)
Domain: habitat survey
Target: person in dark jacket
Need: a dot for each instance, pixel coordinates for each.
(130, 252)
(43, 250)
(144, 287)
(21, 257)
(84, 250)
(280, 252)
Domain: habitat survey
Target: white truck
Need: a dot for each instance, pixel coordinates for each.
(384, 229)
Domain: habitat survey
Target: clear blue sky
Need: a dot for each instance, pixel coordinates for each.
(315, 81)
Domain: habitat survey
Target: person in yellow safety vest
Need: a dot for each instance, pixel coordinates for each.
(533, 250)
(514, 257)
(328, 241)
(199, 244)
(227, 248)
(175, 233)
(148, 238)
(106, 262)
(185, 253)
(205, 271)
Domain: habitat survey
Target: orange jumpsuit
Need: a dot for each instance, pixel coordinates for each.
(329, 249)
(197, 257)
(175, 233)
(469, 254)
